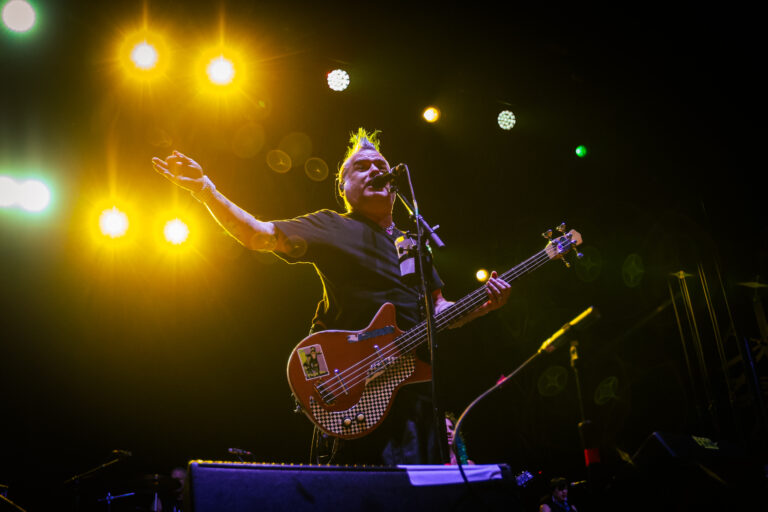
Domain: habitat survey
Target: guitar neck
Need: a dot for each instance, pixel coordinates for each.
(418, 334)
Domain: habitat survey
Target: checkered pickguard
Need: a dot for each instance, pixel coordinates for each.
(372, 404)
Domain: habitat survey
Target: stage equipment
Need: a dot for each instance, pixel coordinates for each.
(234, 487)
(689, 472)
(718, 359)
(549, 345)
(506, 119)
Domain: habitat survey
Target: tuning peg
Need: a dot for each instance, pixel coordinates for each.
(578, 254)
(547, 234)
(561, 227)
(566, 263)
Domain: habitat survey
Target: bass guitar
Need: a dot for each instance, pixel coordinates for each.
(345, 381)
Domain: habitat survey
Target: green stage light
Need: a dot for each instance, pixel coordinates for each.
(581, 151)
(29, 195)
(34, 196)
(18, 15)
(9, 192)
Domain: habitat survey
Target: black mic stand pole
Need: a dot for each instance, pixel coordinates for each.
(585, 426)
(422, 229)
(77, 478)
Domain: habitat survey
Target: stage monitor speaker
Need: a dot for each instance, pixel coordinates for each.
(690, 470)
(232, 486)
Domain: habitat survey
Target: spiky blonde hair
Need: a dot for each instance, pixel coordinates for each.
(360, 140)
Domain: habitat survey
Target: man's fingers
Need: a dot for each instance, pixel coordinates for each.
(159, 165)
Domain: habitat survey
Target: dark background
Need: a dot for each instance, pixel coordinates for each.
(179, 355)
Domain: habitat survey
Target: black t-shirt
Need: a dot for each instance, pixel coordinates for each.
(357, 262)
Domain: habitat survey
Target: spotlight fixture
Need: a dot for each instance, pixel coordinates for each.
(220, 70)
(113, 223)
(506, 119)
(144, 56)
(176, 232)
(338, 79)
(431, 114)
(18, 15)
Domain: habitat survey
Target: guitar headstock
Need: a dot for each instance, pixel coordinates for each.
(559, 247)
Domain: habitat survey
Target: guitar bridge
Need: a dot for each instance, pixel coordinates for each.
(379, 366)
(327, 396)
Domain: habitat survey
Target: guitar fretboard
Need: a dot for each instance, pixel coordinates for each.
(418, 334)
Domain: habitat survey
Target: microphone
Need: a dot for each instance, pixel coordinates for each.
(387, 177)
(239, 451)
(559, 337)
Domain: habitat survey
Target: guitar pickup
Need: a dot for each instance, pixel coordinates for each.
(362, 336)
(378, 367)
(327, 396)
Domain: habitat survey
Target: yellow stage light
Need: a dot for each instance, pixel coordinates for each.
(431, 114)
(176, 232)
(144, 56)
(113, 223)
(220, 70)
(482, 275)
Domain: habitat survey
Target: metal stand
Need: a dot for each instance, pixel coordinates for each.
(549, 345)
(109, 499)
(425, 232)
(586, 427)
(121, 455)
(11, 504)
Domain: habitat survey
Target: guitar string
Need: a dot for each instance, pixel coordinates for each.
(411, 338)
(406, 342)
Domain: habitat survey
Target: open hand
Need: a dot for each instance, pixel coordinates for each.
(181, 170)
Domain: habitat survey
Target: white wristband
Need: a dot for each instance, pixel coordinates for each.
(205, 194)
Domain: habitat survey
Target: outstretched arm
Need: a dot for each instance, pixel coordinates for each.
(254, 234)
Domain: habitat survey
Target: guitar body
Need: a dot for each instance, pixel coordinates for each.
(345, 380)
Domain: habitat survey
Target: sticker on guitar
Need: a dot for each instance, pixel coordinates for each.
(313, 361)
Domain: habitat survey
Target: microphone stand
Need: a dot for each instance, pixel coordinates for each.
(77, 478)
(585, 427)
(10, 504)
(549, 345)
(423, 232)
